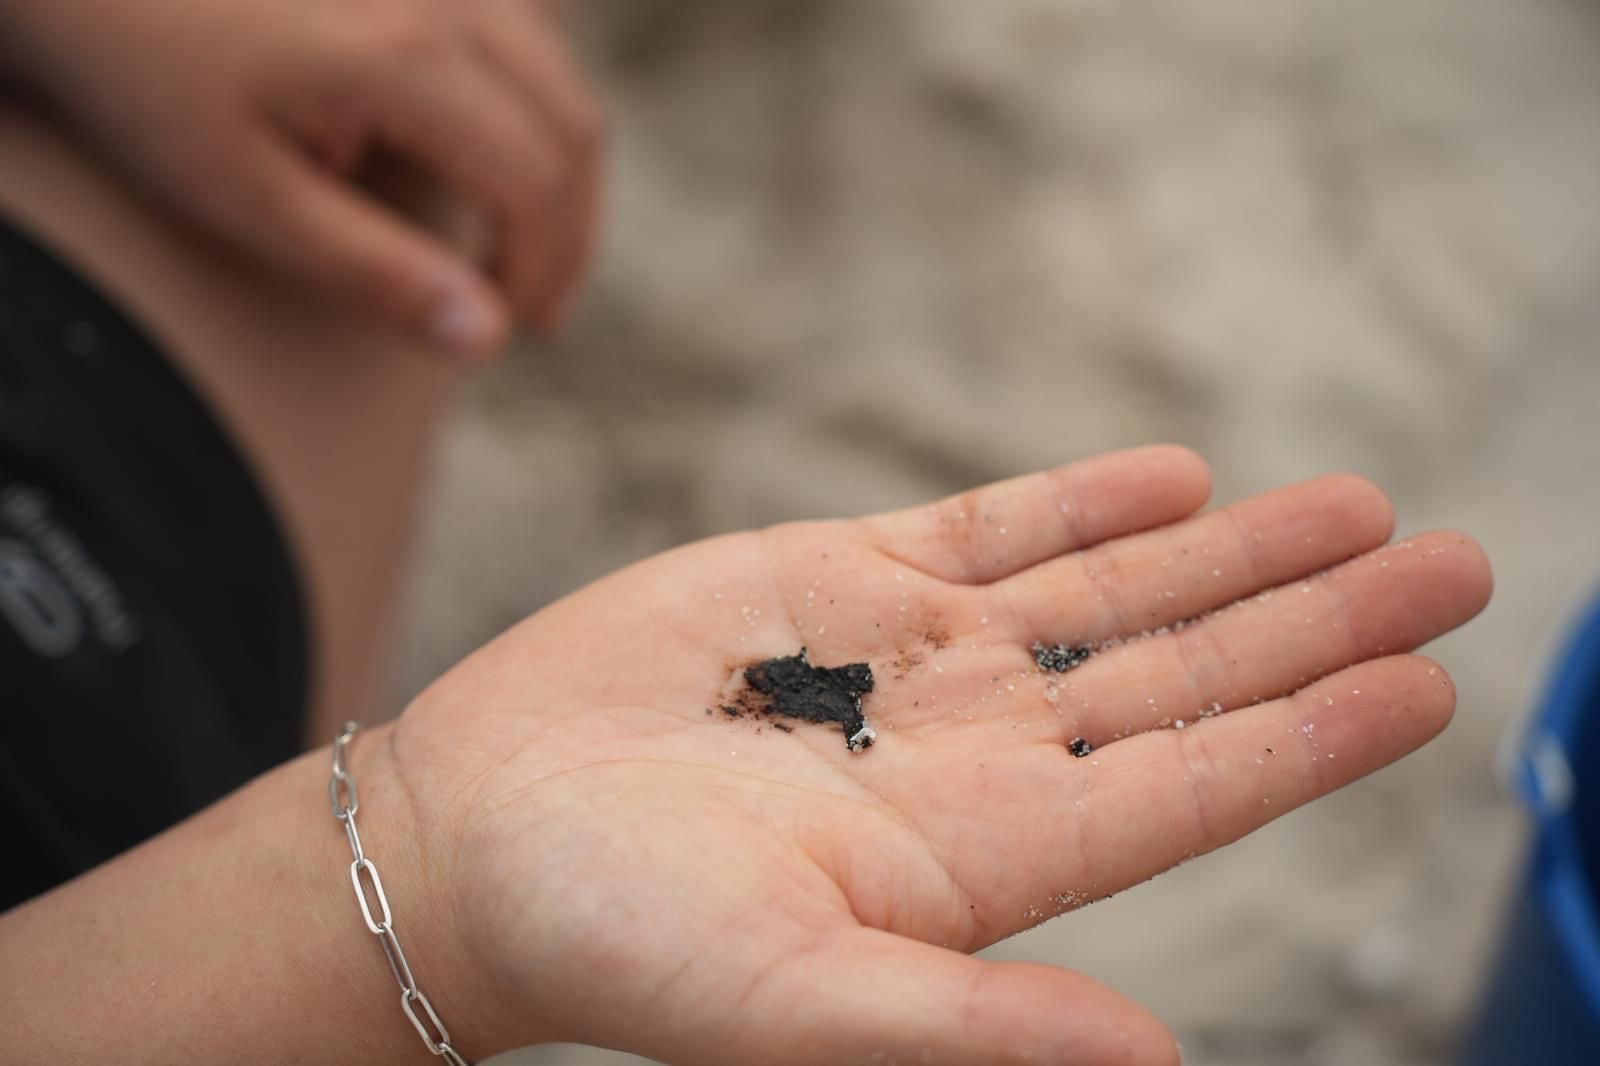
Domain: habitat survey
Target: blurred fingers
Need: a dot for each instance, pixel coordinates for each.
(339, 240)
(529, 53)
(534, 58)
(472, 129)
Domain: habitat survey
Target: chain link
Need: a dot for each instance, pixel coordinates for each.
(342, 797)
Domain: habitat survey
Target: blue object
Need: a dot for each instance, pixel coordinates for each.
(1542, 1003)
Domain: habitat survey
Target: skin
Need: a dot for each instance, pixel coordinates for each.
(573, 849)
(576, 851)
(750, 895)
(255, 136)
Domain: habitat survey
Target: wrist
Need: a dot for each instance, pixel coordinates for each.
(418, 870)
(236, 937)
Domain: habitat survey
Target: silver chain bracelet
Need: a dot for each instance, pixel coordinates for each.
(342, 796)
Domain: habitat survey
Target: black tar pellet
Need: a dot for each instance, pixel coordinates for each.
(1059, 658)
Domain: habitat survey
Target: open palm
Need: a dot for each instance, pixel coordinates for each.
(642, 869)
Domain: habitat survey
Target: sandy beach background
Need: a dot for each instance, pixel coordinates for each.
(863, 254)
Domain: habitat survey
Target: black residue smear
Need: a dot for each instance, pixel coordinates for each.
(791, 686)
(1080, 747)
(1059, 658)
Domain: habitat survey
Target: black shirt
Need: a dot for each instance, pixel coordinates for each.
(152, 641)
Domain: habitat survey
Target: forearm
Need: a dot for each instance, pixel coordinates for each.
(236, 937)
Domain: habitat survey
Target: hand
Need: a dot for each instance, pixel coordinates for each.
(250, 118)
(633, 867)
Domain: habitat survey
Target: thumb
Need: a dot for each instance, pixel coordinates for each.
(342, 241)
(874, 998)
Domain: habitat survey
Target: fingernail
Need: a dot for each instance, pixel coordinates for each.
(461, 323)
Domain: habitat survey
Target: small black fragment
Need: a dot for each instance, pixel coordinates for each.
(1080, 747)
(1059, 658)
(796, 689)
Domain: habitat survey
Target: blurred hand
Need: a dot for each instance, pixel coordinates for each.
(250, 116)
(629, 870)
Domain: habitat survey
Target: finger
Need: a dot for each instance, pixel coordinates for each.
(530, 54)
(869, 997)
(475, 133)
(1393, 600)
(990, 532)
(1146, 803)
(578, 249)
(345, 244)
(576, 241)
(1143, 582)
